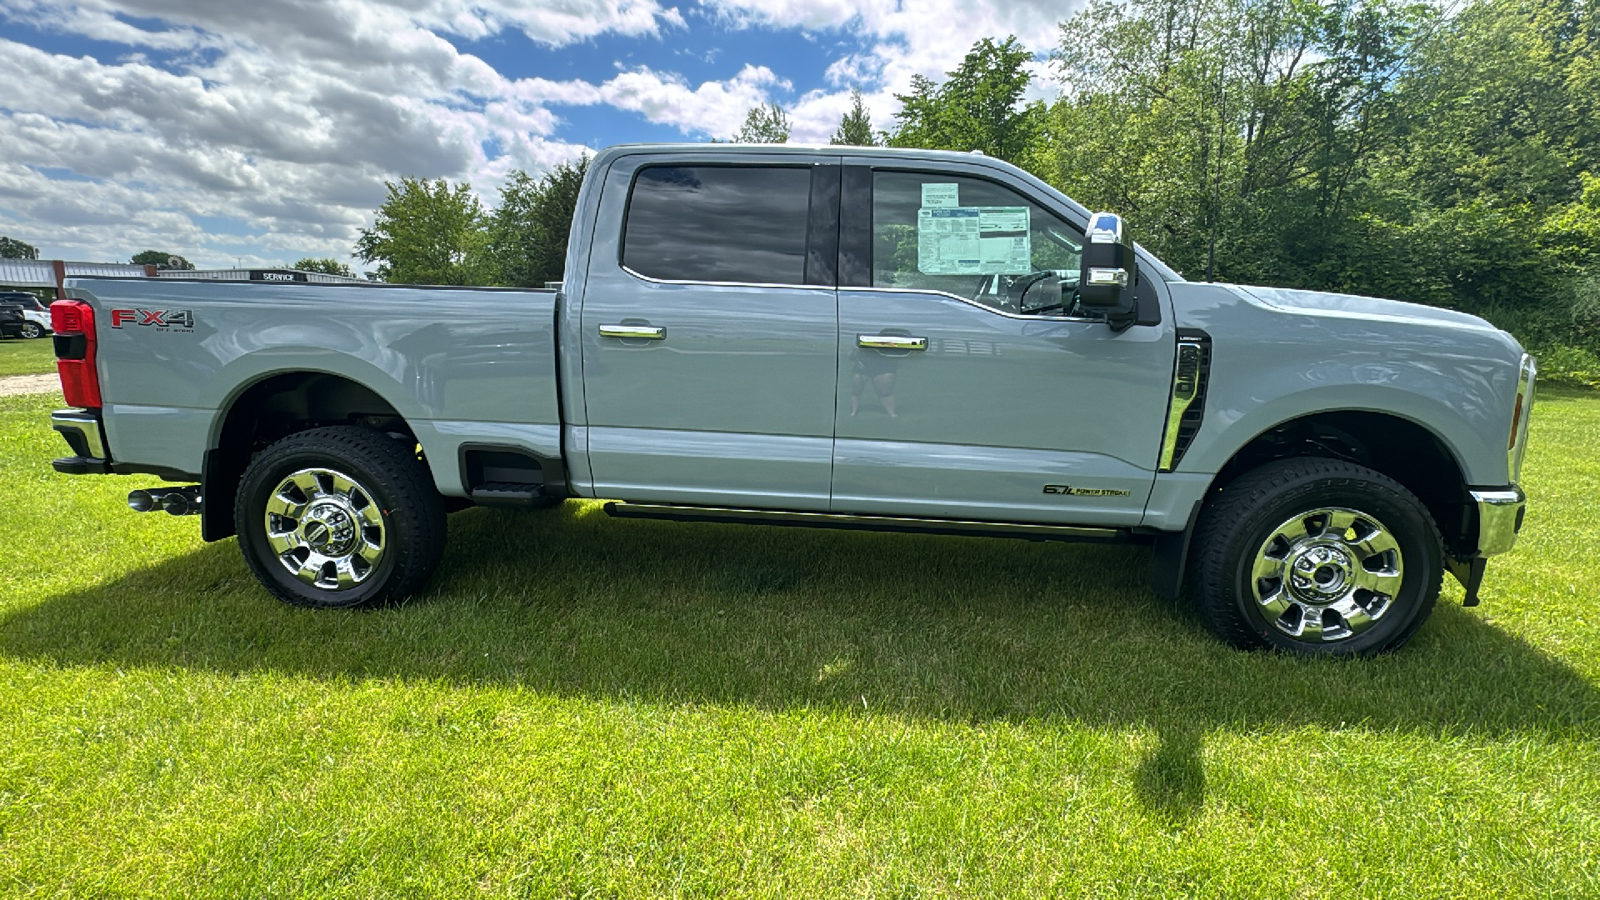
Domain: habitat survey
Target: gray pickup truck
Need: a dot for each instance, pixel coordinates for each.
(829, 337)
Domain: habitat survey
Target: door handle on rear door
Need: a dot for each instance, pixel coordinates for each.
(648, 332)
(892, 341)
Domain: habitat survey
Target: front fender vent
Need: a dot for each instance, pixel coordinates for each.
(1186, 406)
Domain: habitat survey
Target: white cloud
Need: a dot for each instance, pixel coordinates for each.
(927, 38)
(286, 114)
(289, 115)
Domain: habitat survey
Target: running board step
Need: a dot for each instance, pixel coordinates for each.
(506, 493)
(863, 523)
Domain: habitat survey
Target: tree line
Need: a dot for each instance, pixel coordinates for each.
(1445, 155)
(11, 248)
(1384, 147)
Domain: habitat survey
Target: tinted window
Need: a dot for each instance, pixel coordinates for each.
(718, 223)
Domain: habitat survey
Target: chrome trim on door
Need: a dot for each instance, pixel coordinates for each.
(892, 342)
(646, 332)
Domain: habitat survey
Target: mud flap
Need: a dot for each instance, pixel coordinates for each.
(1470, 573)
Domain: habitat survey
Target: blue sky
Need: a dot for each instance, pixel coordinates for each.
(264, 131)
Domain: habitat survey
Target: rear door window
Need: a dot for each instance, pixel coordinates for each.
(739, 224)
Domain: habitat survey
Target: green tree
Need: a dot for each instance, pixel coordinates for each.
(764, 124)
(11, 248)
(978, 106)
(326, 265)
(161, 260)
(1242, 129)
(528, 231)
(428, 232)
(1490, 179)
(855, 129)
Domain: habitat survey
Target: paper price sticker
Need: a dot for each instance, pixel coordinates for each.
(941, 196)
(973, 240)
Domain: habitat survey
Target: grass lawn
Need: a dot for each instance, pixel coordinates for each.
(584, 707)
(27, 357)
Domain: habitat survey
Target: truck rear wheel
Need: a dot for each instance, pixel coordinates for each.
(1316, 556)
(339, 517)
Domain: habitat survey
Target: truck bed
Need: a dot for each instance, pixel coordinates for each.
(460, 364)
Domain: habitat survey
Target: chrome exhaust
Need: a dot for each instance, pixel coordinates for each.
(146, 500)
(183, 501)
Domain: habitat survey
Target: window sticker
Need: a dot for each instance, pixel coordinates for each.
(973, 240)
(940, 196)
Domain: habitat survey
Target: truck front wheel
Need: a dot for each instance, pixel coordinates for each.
(1318, 557)
(339, 517)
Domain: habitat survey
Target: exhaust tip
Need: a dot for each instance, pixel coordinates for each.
(183, 501)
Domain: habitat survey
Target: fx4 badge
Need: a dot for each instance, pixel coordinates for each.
(164, 319)
(1083, 492)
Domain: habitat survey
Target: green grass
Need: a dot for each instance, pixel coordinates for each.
(586, 707)
(27, 357)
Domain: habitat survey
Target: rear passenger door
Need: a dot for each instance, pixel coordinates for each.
(709, 326)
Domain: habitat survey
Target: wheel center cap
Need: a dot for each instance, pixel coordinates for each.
(1320, 573)
(329, 529)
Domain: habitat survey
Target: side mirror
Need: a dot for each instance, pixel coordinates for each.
(1110, 271)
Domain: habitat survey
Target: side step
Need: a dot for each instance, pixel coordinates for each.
(506, 493)
(864, 523)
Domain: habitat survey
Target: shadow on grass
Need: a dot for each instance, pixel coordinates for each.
(571, 602)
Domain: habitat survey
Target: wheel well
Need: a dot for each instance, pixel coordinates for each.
(1399, 448)
(277, 407)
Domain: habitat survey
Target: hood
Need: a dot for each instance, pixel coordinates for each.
(1361, 307)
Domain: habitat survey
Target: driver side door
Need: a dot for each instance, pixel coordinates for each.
(953, 402)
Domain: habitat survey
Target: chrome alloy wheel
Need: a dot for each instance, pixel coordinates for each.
(1327, 574)
(325, 528)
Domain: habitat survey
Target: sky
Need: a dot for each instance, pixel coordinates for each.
(262, 132)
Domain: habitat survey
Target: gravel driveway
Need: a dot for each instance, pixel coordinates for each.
(29, 384)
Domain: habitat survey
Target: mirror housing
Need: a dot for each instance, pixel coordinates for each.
(1110, 271)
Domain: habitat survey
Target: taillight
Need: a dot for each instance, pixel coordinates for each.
(73, 324)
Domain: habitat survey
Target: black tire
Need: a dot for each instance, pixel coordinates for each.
(32, 330)
(1269, 541)
(391, 504)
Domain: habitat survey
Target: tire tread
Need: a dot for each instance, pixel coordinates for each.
(395, 472)
(1230, 511)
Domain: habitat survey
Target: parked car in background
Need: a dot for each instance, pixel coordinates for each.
(35, 315)
(12, 322)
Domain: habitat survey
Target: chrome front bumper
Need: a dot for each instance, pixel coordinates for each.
(1500, 513)
(83, 433)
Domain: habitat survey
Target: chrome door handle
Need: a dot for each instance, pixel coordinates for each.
(892, 342)
(647, 332)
